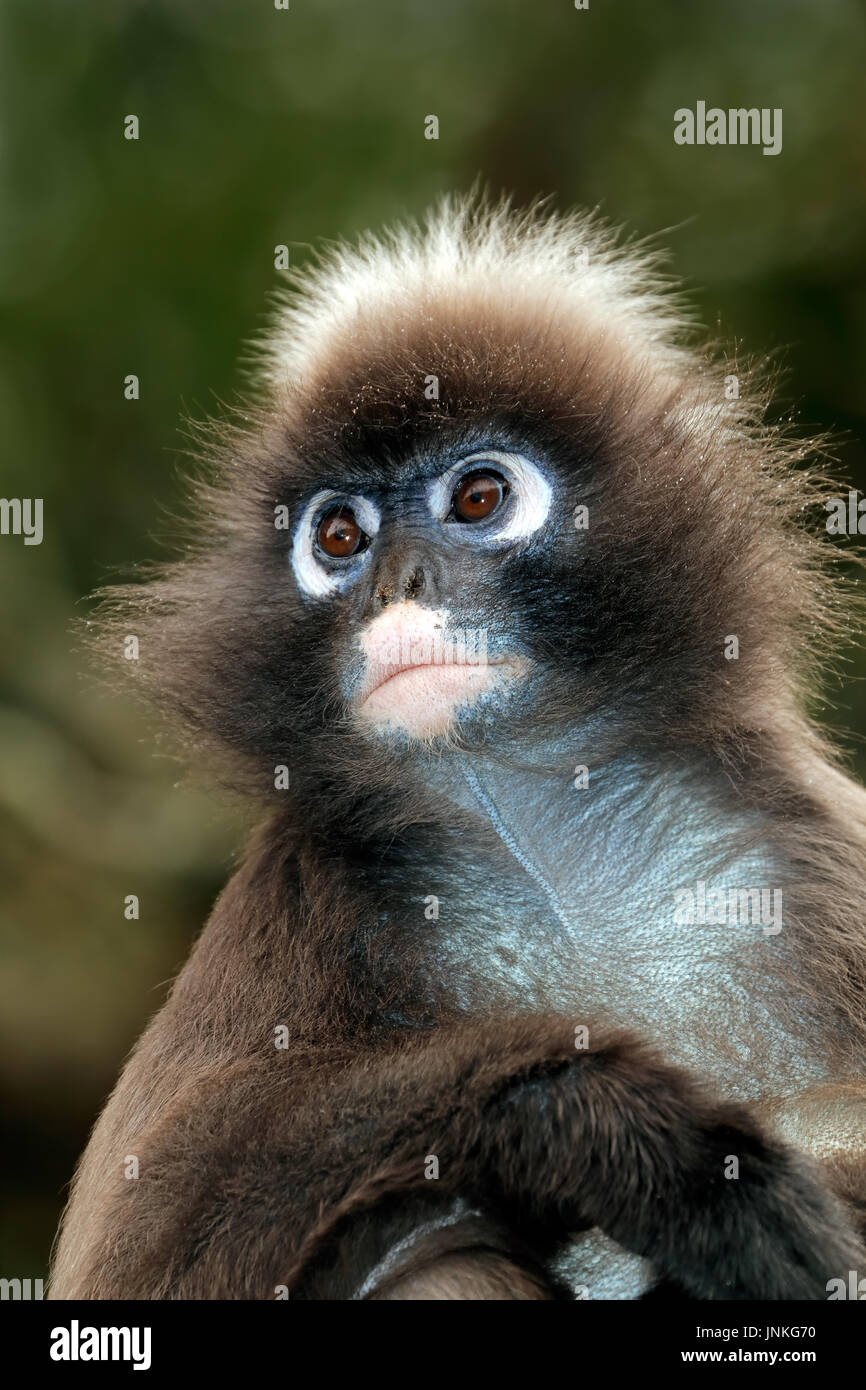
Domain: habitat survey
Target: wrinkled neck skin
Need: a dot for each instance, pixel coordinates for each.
(599, 900)
(594, 905)
(565, 896)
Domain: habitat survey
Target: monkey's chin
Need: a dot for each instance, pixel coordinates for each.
(422, 702)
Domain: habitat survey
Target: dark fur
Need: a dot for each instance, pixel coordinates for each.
(262, 1168)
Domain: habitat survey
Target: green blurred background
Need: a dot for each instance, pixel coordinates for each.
(262, 126)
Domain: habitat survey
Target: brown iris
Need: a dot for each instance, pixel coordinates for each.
(477, 497)
(339, 534)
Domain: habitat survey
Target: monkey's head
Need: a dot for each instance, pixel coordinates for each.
(488, 495)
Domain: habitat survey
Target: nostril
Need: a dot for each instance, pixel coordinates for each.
(415, 583)
(385, 594)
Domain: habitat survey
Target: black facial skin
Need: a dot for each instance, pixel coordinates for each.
(434, 562)
(602, 626)
(415, 1032)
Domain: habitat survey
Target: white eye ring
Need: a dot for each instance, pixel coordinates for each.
(531, 491)
(312, 575)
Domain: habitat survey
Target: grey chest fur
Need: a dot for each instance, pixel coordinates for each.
(580, 902)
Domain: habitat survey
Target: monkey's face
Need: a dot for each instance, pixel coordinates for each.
(552, 550)
(429, 639)
(505, 569)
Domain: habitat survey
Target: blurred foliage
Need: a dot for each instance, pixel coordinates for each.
(261, 126)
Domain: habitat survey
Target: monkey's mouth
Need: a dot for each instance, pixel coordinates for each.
(415, 675)
(422, 698)
(419, 670)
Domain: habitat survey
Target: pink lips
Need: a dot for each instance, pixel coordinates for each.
(380, 672)
(418, 670)
(406, 637)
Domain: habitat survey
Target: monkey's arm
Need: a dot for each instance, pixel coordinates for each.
(244, 1186)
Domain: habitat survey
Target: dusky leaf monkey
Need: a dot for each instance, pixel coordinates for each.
(545, 971)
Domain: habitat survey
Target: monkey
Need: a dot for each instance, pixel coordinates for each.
(543, 975)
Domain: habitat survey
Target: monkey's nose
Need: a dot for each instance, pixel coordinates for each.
(411, 585)
(407, 578)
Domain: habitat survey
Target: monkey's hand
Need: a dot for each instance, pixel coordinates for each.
(555, 1140)
(305, 1179)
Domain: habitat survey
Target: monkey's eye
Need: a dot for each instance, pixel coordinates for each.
(478, 496)
(332, 531)
(503, 495)
(339, 535)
